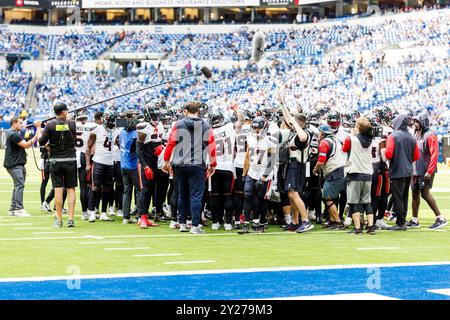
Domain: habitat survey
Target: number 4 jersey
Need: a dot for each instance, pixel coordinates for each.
(225, 137)
(104, 144)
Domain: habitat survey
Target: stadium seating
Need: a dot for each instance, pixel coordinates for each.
(319, 65)
(13, 91)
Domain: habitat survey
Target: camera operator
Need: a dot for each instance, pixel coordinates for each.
(128, 164)
(61, 134)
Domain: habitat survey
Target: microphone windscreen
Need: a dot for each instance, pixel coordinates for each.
(206, 72)
(258, 46)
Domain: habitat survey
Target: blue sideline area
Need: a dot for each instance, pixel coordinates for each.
(410, 282)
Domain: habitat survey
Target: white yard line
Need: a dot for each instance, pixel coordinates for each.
(247, 270)
(26, 182)
(25, 201)
(157, 255)
(377, 248)
(125, 249)
(55, 232)
(33, 228)
(101, 242)
(348, 296)
(231, 234)
(190, 262)
(16, 224)
(441, 291)
(26, 191)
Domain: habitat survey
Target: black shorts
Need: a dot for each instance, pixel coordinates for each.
(420, 183)
(295, 177)
(222, 182)
(64, 174)
(102, 175)
(239, 182)
(254, 187)
(118, 173)
(281, 176)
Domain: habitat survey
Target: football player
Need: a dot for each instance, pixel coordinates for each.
(380, 177)
(84, 129)
(259, 167)
(103, 137)
(149, 148)
(243, 129)
(221, 183)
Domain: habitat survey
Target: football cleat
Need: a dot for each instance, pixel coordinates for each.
(215, 226)
(21, 213)
(413, 224)
(174, 225)
(104, 217)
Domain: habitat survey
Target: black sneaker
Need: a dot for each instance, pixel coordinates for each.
(293, 227)
(70, 224)
(338, 226)
(398, 228)
(244, 229)
(237, 226)
(255, 226)
(371, 230)
(355, 231)
(261, 228)
(328, 224)
(319, 220)
(286, 226)
(439, 223)
(413, 224)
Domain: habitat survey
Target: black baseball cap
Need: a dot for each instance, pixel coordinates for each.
(59, 107)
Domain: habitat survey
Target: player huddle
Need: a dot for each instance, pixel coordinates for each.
(267, 166)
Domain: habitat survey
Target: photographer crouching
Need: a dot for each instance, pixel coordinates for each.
(61, 135)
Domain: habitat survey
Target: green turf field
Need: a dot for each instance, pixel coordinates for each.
(31, 247)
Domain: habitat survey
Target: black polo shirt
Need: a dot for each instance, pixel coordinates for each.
(14, 154)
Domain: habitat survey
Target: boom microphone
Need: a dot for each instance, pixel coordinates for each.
(258, 46)
(206, 72)
(203, 71)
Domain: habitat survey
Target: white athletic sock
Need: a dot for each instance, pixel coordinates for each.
(415, 219)
(440, 217)
(288, 219)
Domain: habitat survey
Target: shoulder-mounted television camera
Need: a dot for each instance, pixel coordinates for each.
(129, 120)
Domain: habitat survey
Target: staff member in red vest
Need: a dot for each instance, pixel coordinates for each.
(401, 151)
